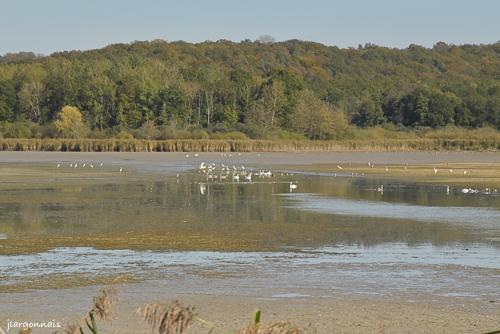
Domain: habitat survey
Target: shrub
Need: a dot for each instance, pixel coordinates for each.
(200, 134)
(236, 135)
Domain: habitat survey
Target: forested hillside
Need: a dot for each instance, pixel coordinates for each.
(286, 89)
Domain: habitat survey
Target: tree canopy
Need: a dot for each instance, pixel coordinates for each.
(254, 87)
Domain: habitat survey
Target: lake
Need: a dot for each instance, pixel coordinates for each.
(338, 233)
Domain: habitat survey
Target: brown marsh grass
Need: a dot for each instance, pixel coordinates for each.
(229, 145)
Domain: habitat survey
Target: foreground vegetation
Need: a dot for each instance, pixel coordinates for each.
(260, 90)
(174, 318)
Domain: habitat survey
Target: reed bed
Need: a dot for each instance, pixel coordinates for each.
(228, 145)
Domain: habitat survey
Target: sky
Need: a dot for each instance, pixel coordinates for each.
(46, 26)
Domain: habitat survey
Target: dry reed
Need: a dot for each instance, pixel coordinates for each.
(174, 319)
(229, 145)
(274, 328)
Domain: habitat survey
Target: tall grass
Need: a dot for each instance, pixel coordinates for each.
(236, 145)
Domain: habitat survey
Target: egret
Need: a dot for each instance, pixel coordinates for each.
(293, 186)
(339, 167)
(381, 189)
(121, 169)
(435, 170)
(203, 188)
(465, 172)
(58, 165)
(187, 155)
(447, 190)
(236, 178)
(249, 177)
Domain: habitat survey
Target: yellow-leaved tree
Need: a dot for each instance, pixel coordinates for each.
(69, 123)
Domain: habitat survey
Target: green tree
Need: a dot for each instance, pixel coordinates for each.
(312, 117)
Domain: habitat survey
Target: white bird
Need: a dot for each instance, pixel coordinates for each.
(339, 167)
(76, 165)
(91, 166)
(101, 164)
(249, 177)
(203, 188)
(292, 186)
(450, 171)
(71, 164)
(121, 169)
(58, 165)
(236, 177)
(381, 189)
(465, 190)
(202, 166)
(435, 170)
(187, 155)
(84, 165)
(447, 190)
(465, 172)
(386, 169)
(196, 155)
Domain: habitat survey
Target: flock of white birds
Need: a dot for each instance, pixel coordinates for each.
(81, 165)
(219, 171)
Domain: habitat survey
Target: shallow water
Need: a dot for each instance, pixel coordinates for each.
(337, 228)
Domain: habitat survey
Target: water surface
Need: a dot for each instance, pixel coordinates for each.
(153, 225)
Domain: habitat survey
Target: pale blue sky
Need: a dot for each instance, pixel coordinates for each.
(45, 26)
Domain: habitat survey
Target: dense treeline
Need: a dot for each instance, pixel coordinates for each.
(266, 90)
